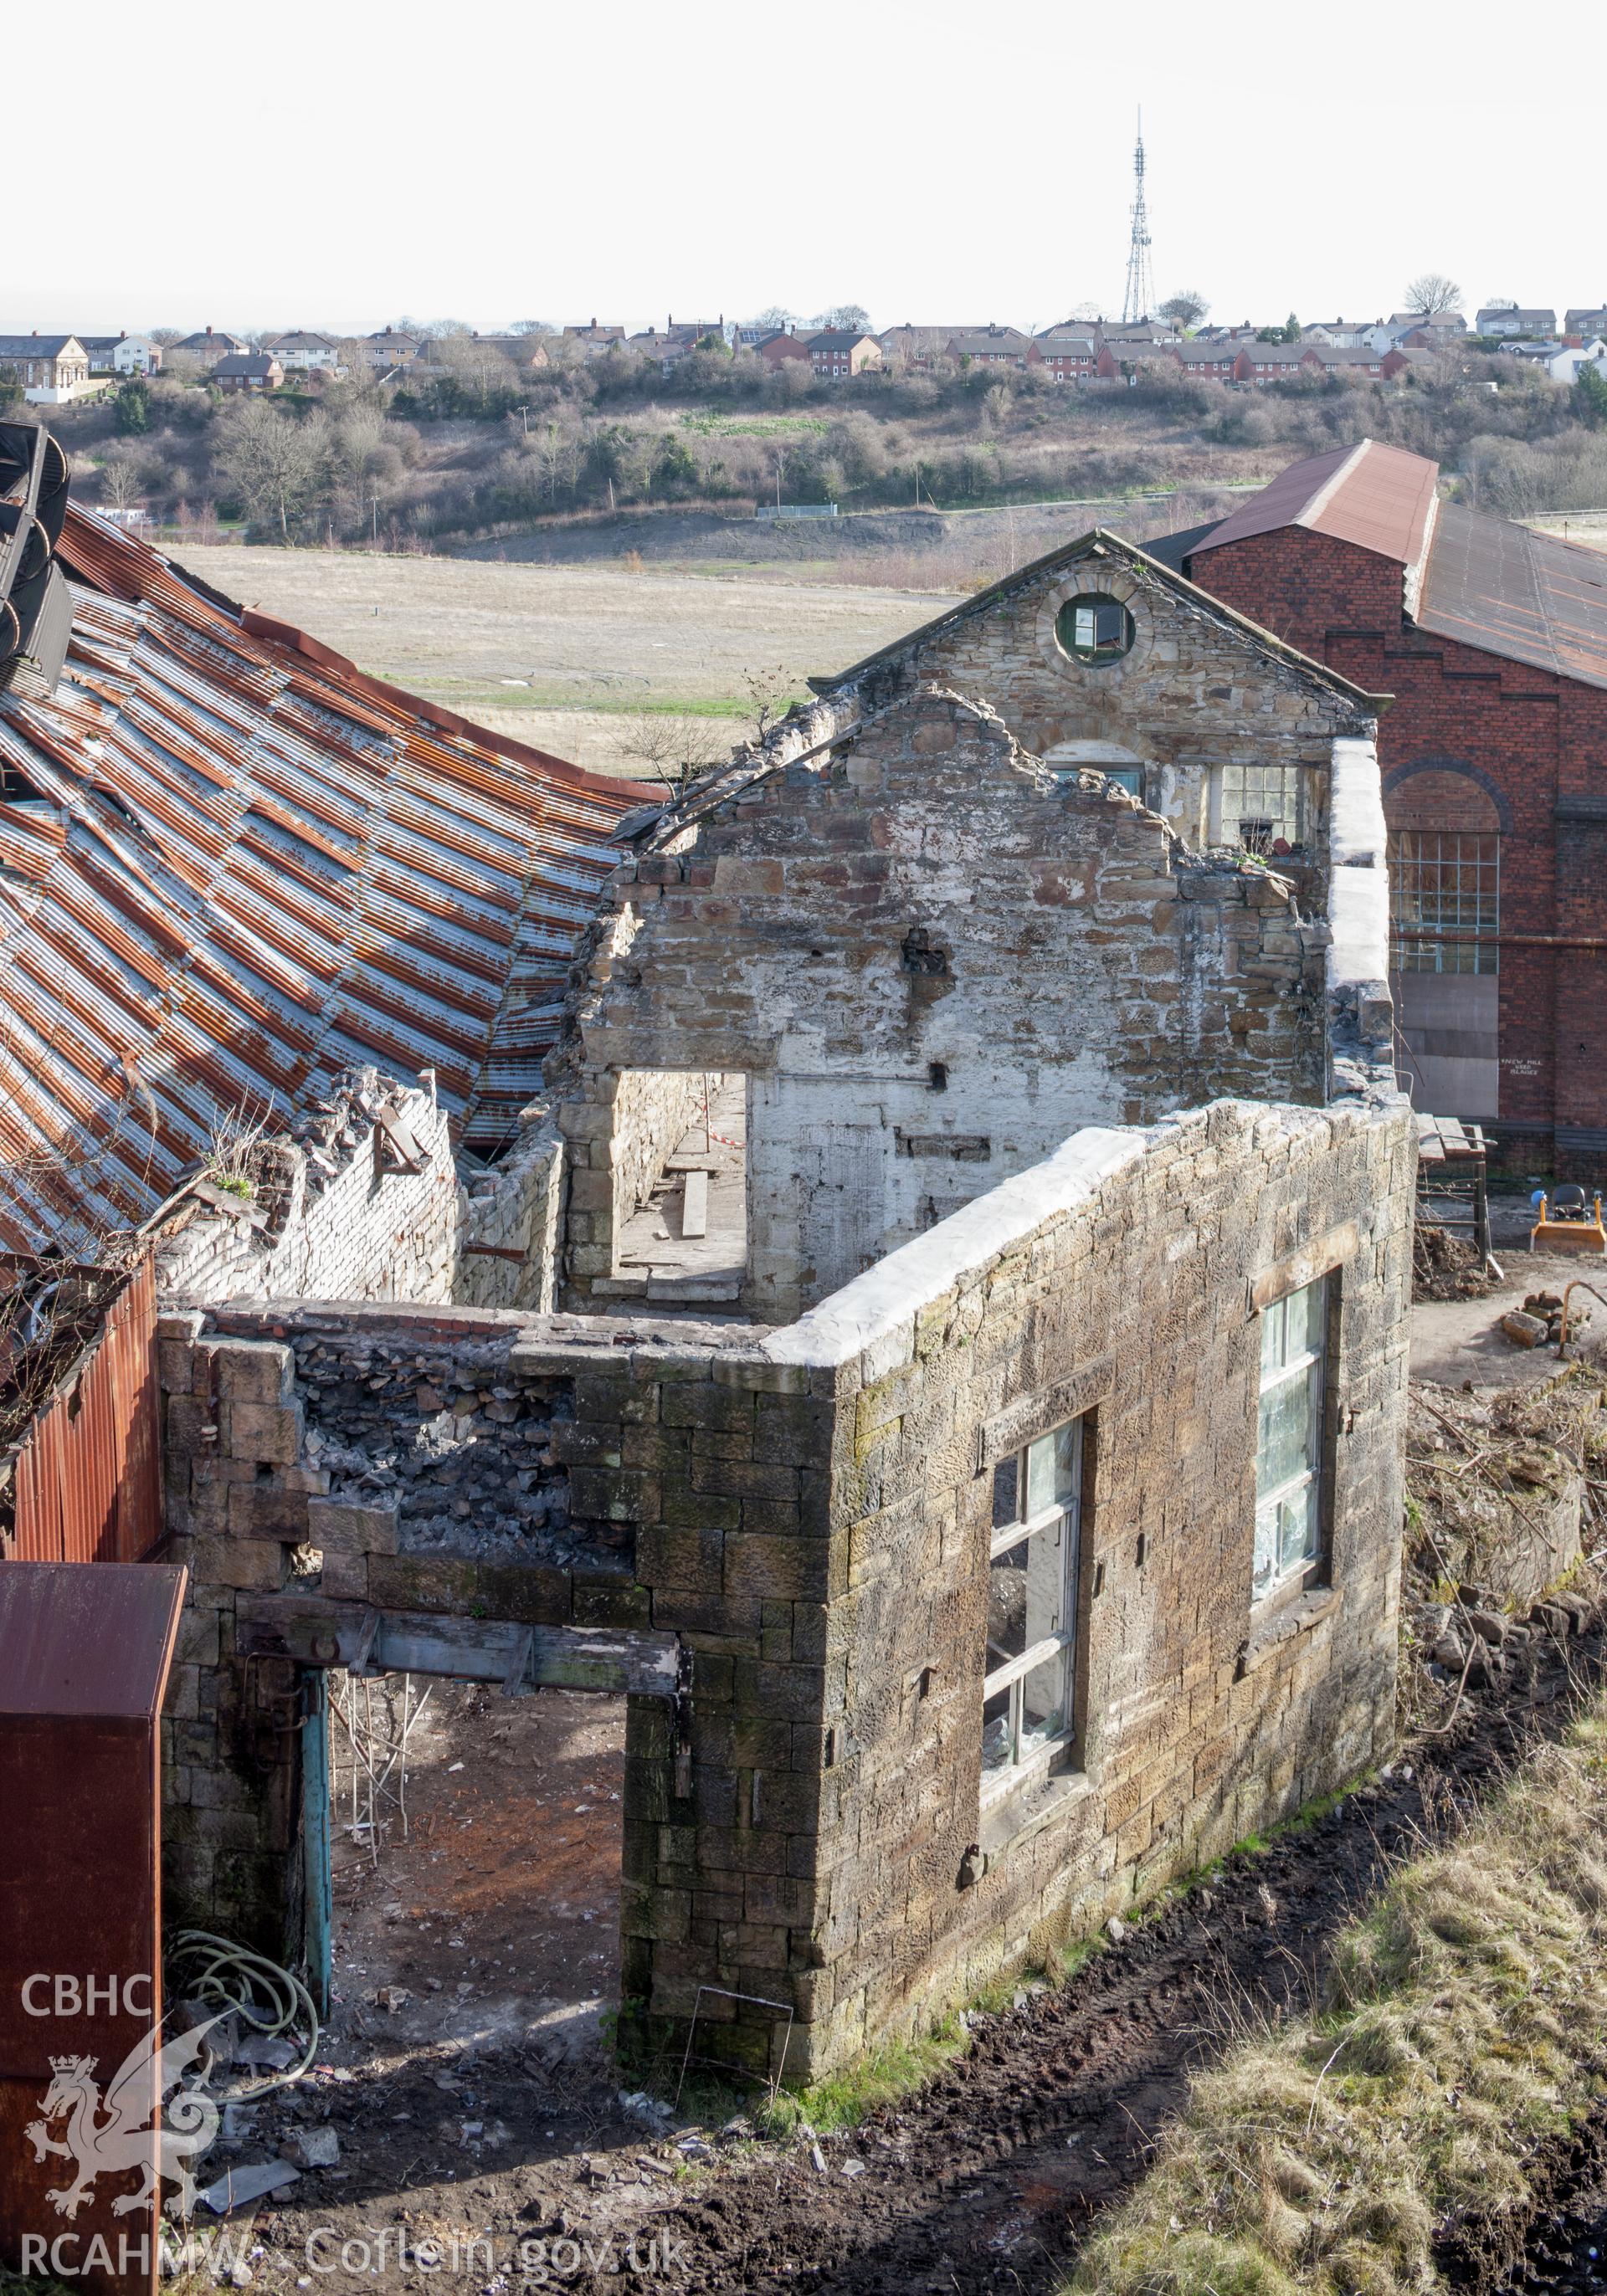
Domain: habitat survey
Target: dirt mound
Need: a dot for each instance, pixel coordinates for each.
(1446, 1265)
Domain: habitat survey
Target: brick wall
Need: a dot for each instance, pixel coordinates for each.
(934, 961)
(1538, 742)
(338, 1220)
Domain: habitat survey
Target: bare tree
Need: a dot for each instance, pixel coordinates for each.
(777, 319)
(121, 483)
(1185, 309)
(845, 316)
(276, 463)
(1431, 292)
(669, 750)
(533, 327)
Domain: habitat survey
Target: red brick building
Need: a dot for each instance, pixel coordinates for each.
(1492, 642)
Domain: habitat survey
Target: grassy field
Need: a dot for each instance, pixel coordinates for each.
(567, 656)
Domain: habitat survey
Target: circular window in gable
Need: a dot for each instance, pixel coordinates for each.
(1094, 629)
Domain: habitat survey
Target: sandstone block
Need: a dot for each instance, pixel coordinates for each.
(339, 1526)
(254, 1370)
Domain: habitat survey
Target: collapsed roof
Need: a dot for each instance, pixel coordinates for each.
(232, 867)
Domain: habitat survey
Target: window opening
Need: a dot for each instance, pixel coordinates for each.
(1289, 1448)
(1094, 627)
(1261, 807)
(1445, 900)
(1028, 1689)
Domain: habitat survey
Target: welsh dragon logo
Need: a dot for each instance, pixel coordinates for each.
(116, 2133)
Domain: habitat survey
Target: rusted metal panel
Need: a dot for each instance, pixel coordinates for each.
(1529, 597)
(86, 1476)
(246, 865)
(1378, 497)
(84, 1657)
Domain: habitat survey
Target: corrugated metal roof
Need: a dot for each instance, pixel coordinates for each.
(1378, 497)
(247, 866)
(1530, 597)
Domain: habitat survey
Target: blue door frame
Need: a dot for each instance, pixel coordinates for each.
(318, 1941)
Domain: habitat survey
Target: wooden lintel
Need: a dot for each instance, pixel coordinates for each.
(314, 1631)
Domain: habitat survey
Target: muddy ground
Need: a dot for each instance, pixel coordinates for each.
(498, 2128)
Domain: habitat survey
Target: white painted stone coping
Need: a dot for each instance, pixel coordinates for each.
(875, 1315)
(1358, 900)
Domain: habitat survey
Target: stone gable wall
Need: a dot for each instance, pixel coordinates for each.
(934, 961)
(1194, 693)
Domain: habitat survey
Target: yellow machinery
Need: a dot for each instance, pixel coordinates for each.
(1563, 1224)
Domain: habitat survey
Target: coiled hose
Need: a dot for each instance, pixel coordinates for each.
(271, 2000)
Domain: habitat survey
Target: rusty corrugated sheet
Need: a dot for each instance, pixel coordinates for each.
(1530, 597)
(86, 1477)
(1376, 497)
(245, 866)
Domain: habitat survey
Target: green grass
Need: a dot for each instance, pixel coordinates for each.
(842, 2100)
(754, 426)
(1459, 2037)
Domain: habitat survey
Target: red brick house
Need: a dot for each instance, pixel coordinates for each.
(839, 352)
(1492, 642)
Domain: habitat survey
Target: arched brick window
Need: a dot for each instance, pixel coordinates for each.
(1444, 872)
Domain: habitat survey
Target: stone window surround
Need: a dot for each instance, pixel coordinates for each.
(1306, 1596)
(1067, 1512)
(1116, 581)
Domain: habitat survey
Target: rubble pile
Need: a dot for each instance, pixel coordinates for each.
(1503, 1544)
(465, 1451)
(1444, 1266)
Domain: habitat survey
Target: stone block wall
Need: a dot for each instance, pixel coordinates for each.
(512, 1215)
(808, 1512)
(934, 961)
(1199, 1717)
(334, 1217)
(1200, 689)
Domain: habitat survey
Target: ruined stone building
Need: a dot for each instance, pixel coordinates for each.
(1010, 1521)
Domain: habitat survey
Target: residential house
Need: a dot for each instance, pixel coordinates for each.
(300, 352)
(249, 371)
(596, 335)
(1422, 329)
(211, 344)
(389, 351)
(780, 349)
(53, 370)
(1340, 334)
(1585, 320)
(920, 348)
(992, 346)
(1068, 356)
(1514, 319)
(1265, 363)
(1566, 364)
(1492, 639)
(122, 353)
(692, 332)
(1214, 362)
(839, 352)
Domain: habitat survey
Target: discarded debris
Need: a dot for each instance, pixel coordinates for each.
(248, 2182)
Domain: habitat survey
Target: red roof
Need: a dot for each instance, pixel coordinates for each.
(231, 865)
(1378, 497)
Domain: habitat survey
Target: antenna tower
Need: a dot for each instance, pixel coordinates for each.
(1138, 302)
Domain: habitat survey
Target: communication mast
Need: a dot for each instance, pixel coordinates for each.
(1138, 302)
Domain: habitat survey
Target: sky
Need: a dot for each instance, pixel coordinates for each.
(345, 166)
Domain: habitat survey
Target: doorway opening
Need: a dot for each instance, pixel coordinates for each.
(475, 1876)
(680, 1166)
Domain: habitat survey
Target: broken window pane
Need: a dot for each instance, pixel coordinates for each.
(1262, 807)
